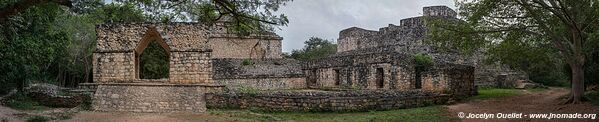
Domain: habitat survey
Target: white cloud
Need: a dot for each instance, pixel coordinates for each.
(325, 18)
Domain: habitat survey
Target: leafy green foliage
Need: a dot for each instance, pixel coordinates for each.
(523, 35)
(113, 13)
(27, 49)
(315, 48)
(243, 16)
(423, 61)
(154, 62)
(247, 62)
(21, 101)
(48, 43)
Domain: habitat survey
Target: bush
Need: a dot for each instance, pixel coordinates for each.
(21, 101)
(87, 102)
(423, 60)
(247, 62)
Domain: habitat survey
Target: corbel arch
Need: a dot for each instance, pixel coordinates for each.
(150, 35)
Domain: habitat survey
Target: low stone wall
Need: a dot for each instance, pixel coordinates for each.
(152, 97)
(263, 83)
(325, 100)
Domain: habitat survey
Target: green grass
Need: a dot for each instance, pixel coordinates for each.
(38, 119)
(488, 93)
(431, 113)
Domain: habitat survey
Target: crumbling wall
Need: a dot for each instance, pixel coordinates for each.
(313, 101)
(263, 74)
(454, 79)
(227, 44)
(361, 70)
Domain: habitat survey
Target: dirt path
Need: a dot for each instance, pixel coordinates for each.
(529, 103)
(9, 115)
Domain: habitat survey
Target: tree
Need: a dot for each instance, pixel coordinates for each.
(565, 25)
(315, 48)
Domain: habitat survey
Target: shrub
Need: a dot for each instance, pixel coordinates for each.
(247, 62)
(87, 102)
(423, 60)
(21, 101)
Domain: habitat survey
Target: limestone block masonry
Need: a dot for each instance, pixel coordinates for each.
(151, 97)
(315, 101)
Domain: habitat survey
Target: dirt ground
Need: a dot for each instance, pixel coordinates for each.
(529, 103)
(8, 114)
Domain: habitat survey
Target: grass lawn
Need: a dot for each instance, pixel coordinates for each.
(488, 93)
(431, 113)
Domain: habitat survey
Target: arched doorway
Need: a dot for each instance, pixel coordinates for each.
(153, 62)
(152, 57)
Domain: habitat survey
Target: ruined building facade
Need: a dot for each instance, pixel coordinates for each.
(208, 58)
(384, 59)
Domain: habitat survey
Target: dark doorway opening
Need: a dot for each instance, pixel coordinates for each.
(380, 77)
(418, 81)
(337, 77)
(154, 62)
(312, 78)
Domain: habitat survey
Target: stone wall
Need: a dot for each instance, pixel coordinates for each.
(325, 100)
(113, 67)
(263, 74)
(227, 44)
(190, 67)
(152, 97)
(189, 45)
(263, 83)
(454, 79)
(443, 11)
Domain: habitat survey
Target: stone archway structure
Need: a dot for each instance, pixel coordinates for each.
(116, 68)
(116, 58)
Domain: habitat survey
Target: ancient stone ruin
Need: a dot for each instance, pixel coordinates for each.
(208, 64)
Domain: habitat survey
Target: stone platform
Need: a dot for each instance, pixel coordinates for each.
(152, 97)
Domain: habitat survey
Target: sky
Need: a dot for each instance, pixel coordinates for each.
(325, 18)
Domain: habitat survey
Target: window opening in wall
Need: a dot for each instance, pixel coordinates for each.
(337, 77)
(154, 62)
(380, 80)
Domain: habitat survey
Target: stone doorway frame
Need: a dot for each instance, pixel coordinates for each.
(150, 35)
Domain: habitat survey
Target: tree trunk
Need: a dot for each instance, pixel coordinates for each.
(577, 83)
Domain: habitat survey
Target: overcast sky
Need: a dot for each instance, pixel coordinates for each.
(325, 18)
